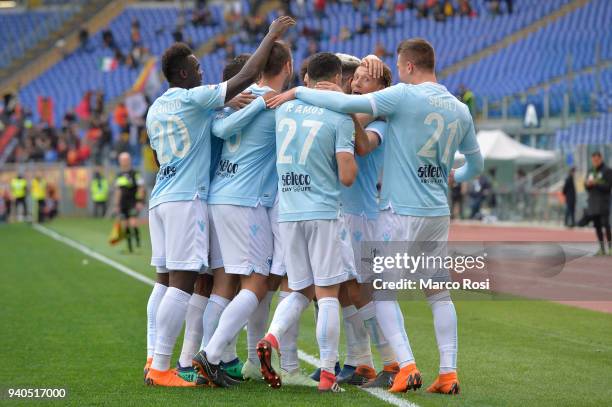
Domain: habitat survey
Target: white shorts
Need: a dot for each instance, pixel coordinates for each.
(245, 238)
(317, 252)
(423, 235)
(215, 260)
(179, 235)
(361, 229)
(278, 265)
(391, 226)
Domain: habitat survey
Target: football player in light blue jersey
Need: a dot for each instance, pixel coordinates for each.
(201, 320)
(426, 126)
(241, 201)
(360, 204)
(314, 156)
(179, 126)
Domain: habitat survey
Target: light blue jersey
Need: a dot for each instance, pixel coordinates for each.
(216, 144)
(307, 140)
(361, 198)
(246, 173)
(179, 126)
(426, 126)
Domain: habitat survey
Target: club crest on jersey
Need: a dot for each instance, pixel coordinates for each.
(430, 174)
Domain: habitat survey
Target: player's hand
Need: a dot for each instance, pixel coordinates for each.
(241, 100)
(451, 178)
(278, 100)
(280, 26)
(374, 64)
(324, 85)
(269, 96)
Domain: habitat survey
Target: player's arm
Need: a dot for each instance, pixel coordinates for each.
(474, 163)
(367, 139)
(225, 127)
(140, 192)
(117, 198)
(345, 152)
(257, 61)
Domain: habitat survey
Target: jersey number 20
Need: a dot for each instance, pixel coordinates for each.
(174, 128)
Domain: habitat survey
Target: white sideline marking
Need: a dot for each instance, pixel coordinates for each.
(378, 393)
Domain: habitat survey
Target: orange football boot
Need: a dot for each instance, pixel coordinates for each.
(408, 378)
(166, 378)
(446, 383)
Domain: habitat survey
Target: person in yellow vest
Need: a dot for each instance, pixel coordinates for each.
(129, 198)
(19, 190)
(99, 194)
(39, 194)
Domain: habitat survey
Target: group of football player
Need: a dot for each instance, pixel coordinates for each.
(263, 189)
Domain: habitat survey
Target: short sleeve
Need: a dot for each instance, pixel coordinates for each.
(380, 128)
(385, 102)
(209, 96)
(345, 136)
(469, 143)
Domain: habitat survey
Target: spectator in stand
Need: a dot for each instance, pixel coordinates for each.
(365, 26)
(120, 116)
(313, 48)
(230, 52)
(345, 34)
(448, 9)
(569, 192)
(84, 42)
(319, 8)
(135, 36)
(386, 18)
(509, 6)
(201, 14)
(109, 39)
(494, 7)
(98, 105)
(381, 52)
(465, 9)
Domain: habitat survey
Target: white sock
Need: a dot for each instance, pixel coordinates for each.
(232, 320)
(152, 305)
(328, 332)
(193, 329)
(287, 313)
(358, 350)
(170, 318)
(288, 345)
(229, 353)
(445, 325)
(256, 327)
(368, 315)
(210, 319)
(391, 321)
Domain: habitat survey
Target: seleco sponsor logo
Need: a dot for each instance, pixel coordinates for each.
(227, 169)
(166, 172)
(430, 174)
(292, 181)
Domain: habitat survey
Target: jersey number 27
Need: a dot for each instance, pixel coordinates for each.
(291, 126)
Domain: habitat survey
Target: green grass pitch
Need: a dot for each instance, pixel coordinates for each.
(69, 321)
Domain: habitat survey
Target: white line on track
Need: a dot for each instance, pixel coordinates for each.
(305, 357)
